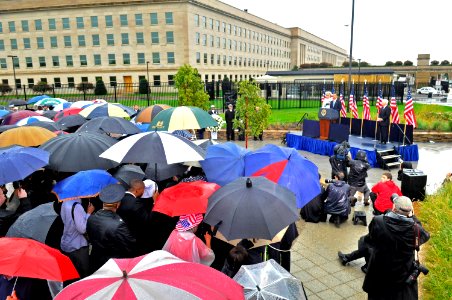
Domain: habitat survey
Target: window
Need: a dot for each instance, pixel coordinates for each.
(42, 61)
(123, 20)
(171, 80)
(224, 60)
(29, 62)
(55, 61)
(125, 38)
(111, 59)
(112, 80)
(52, 24)
(157, 80)
(154, 19)
(140, 38)
(40, 42)
(126, 58)
(110, 39)
(13, 44)
(229, 28)
(83, 60)
(80, 22)
(197, 38)
(57, 82)
(67, 41)
(170, 57)
(27, 43)
(97, 60)
(212, 59)
(223, 25)
(1, 27)
(81, 41)
(210, 23)
(140, 58)
(138, 20)
(94, 22)
(218, 59)
(155, 57)
(204, 39)
(71, 81)
(211, 41)
(234, 30)
(204, 22)
(217, 25)
(109, 21)
(12, 26)
(98, 78)
(25, 27)
(205, 58)
(170, 37)
(169, 18)
(38, 24)
(198, 57)
(155, 37)
(197, 20)
(69, 61)
(217, 42)
(18, 84)
(31, 82)
(66, 24)
(16, 62)
(96, 40)
(224, 43)
(3, 64)
(84, 79)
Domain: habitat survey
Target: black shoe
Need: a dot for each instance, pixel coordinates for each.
(337, 222)
(342, 258)
(255, 138)
(353, 202)
(366, 203)
(364, 269)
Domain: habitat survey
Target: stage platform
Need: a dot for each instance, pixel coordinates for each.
(324, 147)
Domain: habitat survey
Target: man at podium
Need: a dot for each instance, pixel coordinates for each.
(335, 104)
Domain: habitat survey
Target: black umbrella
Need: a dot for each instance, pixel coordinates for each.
(159, 172)
(128, 172)
(109, 125)
(72, 121)
(251, 208)
(4, 128)
(49, 114)
(52, 126)
(78, 152)
(18, 102)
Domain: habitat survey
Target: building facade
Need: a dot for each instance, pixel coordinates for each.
(69, 42)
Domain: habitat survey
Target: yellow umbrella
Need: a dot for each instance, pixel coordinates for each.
(26, 136)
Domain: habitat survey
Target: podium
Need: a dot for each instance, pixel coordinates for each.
(326, 115)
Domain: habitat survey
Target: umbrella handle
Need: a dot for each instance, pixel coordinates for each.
(14, 287)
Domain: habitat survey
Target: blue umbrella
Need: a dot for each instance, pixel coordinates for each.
(4, 112)
(286, 167)
(224, 163)
(127, 109)
(17, 162)
(36, 99)
(84, 184)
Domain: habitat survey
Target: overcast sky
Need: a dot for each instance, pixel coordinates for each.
(384, 29)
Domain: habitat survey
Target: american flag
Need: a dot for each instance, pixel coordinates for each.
(379, 98)
(408, 114)
(394, 108)
(341, 98)
(352, 103)
(323, 94)
(366, 106)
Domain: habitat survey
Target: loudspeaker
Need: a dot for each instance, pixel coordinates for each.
(413, 184)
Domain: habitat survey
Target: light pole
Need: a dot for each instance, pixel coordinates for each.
(14, 73)
(359, 69)
(351, 47)
(147, 79)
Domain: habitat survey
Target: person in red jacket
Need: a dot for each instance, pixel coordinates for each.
(383, 191)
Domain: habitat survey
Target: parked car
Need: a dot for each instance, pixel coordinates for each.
(427, 90)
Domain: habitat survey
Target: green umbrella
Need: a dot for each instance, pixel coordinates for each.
(182, 117)
(50, 102)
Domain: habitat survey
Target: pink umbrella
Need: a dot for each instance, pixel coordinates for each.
(15, 117)
(158, 275)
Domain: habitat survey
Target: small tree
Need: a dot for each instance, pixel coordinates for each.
(398, 63)
(251, 108)
(143, 87)
(407, 63)
(445, 63)
(364, 64)
(85, 86)
(389, 63)
(5, 88)
(100, 88)
(41, 87)
(191, 87)
(434, 63)
(294, 68)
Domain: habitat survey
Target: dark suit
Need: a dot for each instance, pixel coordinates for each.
(213, 112)
(229, 116)
(336, 104)
(385, 113)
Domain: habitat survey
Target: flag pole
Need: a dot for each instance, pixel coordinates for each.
(362, 115)
(351, 114)
(391, 117)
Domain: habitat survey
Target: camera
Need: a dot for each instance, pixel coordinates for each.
(330, 180)
(342, 150)
(418, 268)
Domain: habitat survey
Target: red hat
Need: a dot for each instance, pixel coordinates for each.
(187, 222)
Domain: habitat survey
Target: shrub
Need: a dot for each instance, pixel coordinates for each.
(191, 88)
(85, 86)
(143, 87)
(41, 87)
(100, 88)
(5, 88)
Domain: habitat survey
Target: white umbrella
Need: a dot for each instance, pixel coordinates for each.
(82, 103)
(33, 119)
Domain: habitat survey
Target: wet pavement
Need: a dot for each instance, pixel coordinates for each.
(314, 253)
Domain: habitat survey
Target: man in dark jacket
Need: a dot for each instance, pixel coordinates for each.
(383, 121)
(336, 104)
(339, 161)
(229, 115)
(108, 233)
(337, 202)
(357, 177)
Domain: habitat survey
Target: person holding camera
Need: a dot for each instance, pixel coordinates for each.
(340, 160)
(337, 202)
(357, 177)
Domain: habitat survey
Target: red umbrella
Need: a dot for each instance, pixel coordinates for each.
(158, 275)
(185, 198)
(28, 258)
(14, 117)
(67, 112)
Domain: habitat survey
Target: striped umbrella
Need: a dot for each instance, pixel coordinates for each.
(15, 117)
(30, 120)
(50, 102)
(27, 136)
(147, 114)
(103, 110)
(67, 112)
(61, 106)
(81, 104)
(182, 117)
(36, 99)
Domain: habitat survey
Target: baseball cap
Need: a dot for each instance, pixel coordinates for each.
(403, 204)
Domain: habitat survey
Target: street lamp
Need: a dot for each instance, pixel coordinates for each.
(147, 78)
(14, 73)
(351, 47)
(359, 69)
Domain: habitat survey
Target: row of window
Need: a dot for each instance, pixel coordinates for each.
(208, 23)
(81, 22)
(95, 40)
(238, 61)
(83, 60)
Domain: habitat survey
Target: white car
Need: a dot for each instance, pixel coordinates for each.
(427, 90)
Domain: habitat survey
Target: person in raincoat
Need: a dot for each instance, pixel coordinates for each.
(184, 244)
(337, 202)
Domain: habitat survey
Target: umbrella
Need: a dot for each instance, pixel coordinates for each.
(67, 112)
(224, 163)
(36, 99)
(15, 117)
(18, 102)
(4, 128)
(83, 184)
(103, 110)
(109, 125)
(62, 106)
(205, 143)
(71, 121)
(98, 101)
(158, 275)
(251, 208)
(52, 126)
(159, 172)
(128, 172)
(182, 117)
(4, 112)
(185, 198)
(268, 280)
(17, 162)
(147, 114)
(29, 258)
(286, 167)
(154, 147)
(184, 133)
(33, 119)
(78, 152)
(50, 102)
(25, 136)
(81, 104)
(34, 224)
(49, 114)
(130, 111)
